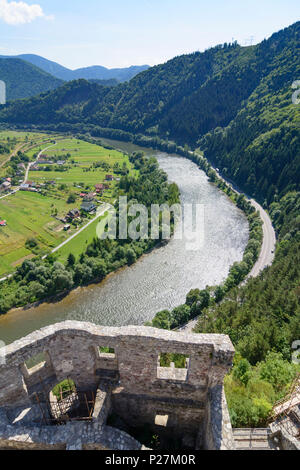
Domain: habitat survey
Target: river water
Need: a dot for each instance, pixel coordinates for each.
(160, 279)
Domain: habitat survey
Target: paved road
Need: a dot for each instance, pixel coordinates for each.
(27, 170)
(266, 256)
(101, 212)
(33, 163)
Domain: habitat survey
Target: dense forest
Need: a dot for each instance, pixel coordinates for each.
(23, 79)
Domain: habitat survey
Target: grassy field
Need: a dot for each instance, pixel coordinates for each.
(29, 143)
(31, 214)
(84, 156)
(20, 136)
(79, 244)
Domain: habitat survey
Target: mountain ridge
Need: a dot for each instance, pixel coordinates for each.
(93, 72)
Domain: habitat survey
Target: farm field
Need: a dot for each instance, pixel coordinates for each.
(79, 243)
(84, 155)
(28, 143)
(21, 136)
(31, 215)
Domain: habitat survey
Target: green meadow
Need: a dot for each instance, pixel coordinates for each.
(84, 156)
(30, 215)
(79, 244)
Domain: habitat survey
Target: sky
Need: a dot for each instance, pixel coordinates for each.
(120, 33)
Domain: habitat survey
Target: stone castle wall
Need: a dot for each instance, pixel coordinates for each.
(140, 392)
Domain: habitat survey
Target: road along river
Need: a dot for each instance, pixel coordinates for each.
(160, 279)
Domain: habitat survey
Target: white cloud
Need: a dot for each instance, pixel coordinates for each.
(15, 13)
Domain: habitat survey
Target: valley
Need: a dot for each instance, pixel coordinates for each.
(34, 209)
(190, 130)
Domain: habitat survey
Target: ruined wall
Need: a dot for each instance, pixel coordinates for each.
(142, 389)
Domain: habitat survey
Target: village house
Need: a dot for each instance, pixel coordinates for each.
(87, 206)
(89, 197)
(31, 184)
(3, 223)
(73, 214)
(5, 186)
(27, 187)
(109, 177)
(99, 188)
(44, 162)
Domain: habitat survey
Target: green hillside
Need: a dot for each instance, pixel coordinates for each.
(23, 79)
(235, 102)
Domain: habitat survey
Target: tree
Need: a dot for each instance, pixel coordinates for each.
(242, 371)
(130, 256)
(181, 315)
(71, 199)
(219, 293)
(192, 297)
(71, 259)
(163, 320)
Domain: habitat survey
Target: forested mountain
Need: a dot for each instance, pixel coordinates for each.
(23, 79)
(103, 73)
(234, 102)
(94, 72)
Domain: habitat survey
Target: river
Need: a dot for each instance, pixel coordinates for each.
(160, 279)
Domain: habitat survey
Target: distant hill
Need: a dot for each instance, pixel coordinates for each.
(95, 72)
(23, 79)
(99, 72)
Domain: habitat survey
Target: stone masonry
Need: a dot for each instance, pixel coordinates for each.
(188, 404)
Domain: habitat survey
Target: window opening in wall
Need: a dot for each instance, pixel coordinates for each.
(106, 352)
(36, 361)
(173, 366)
